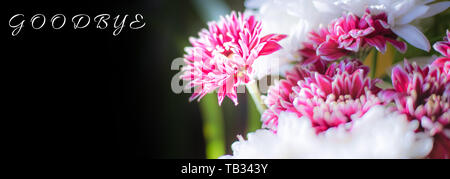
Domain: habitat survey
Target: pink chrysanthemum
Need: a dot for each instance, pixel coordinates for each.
(309, 50)
(423, 94)
(443, 47)
(222, 57)
(280, 96)
(347, 35)
(328, 99)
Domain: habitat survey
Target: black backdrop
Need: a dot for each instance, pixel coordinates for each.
(86, 94)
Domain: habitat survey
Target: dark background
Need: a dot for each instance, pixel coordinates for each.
(86, 94)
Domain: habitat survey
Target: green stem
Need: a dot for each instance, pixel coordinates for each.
(252, 88)
(213, 126)
(253, 116)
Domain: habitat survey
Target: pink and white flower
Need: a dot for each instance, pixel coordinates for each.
(401, 15)
(347, 35)
(222, 57)
(328, 99)
(443, 47)
(336, 97)
(280, 96)
(423, 93)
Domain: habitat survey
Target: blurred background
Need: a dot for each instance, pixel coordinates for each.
(87, 94)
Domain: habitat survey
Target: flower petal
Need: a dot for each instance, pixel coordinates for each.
(269, 47)
(400, 46)
(436, 8)
(400, 79)
(329, 51)
(275, 37)
(413, 14)
(379, 42)
(413, 36)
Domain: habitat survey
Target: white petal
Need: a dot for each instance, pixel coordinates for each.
(378, 134)
(323, 6)
(436, 8)
(413, 36)
(399, 8)
(253, 4)
(413, 14)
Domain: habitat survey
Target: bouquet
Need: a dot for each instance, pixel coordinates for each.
(324, 101)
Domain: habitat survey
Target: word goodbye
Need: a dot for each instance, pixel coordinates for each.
(79, 21)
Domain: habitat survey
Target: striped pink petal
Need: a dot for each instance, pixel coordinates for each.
(221, 58)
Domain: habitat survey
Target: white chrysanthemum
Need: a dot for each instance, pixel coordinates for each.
(295, 18)
(400, 15)
(378, 134)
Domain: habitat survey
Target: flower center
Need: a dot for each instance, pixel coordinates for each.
(240, 74)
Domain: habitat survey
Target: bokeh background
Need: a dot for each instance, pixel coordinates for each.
(87, 94)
